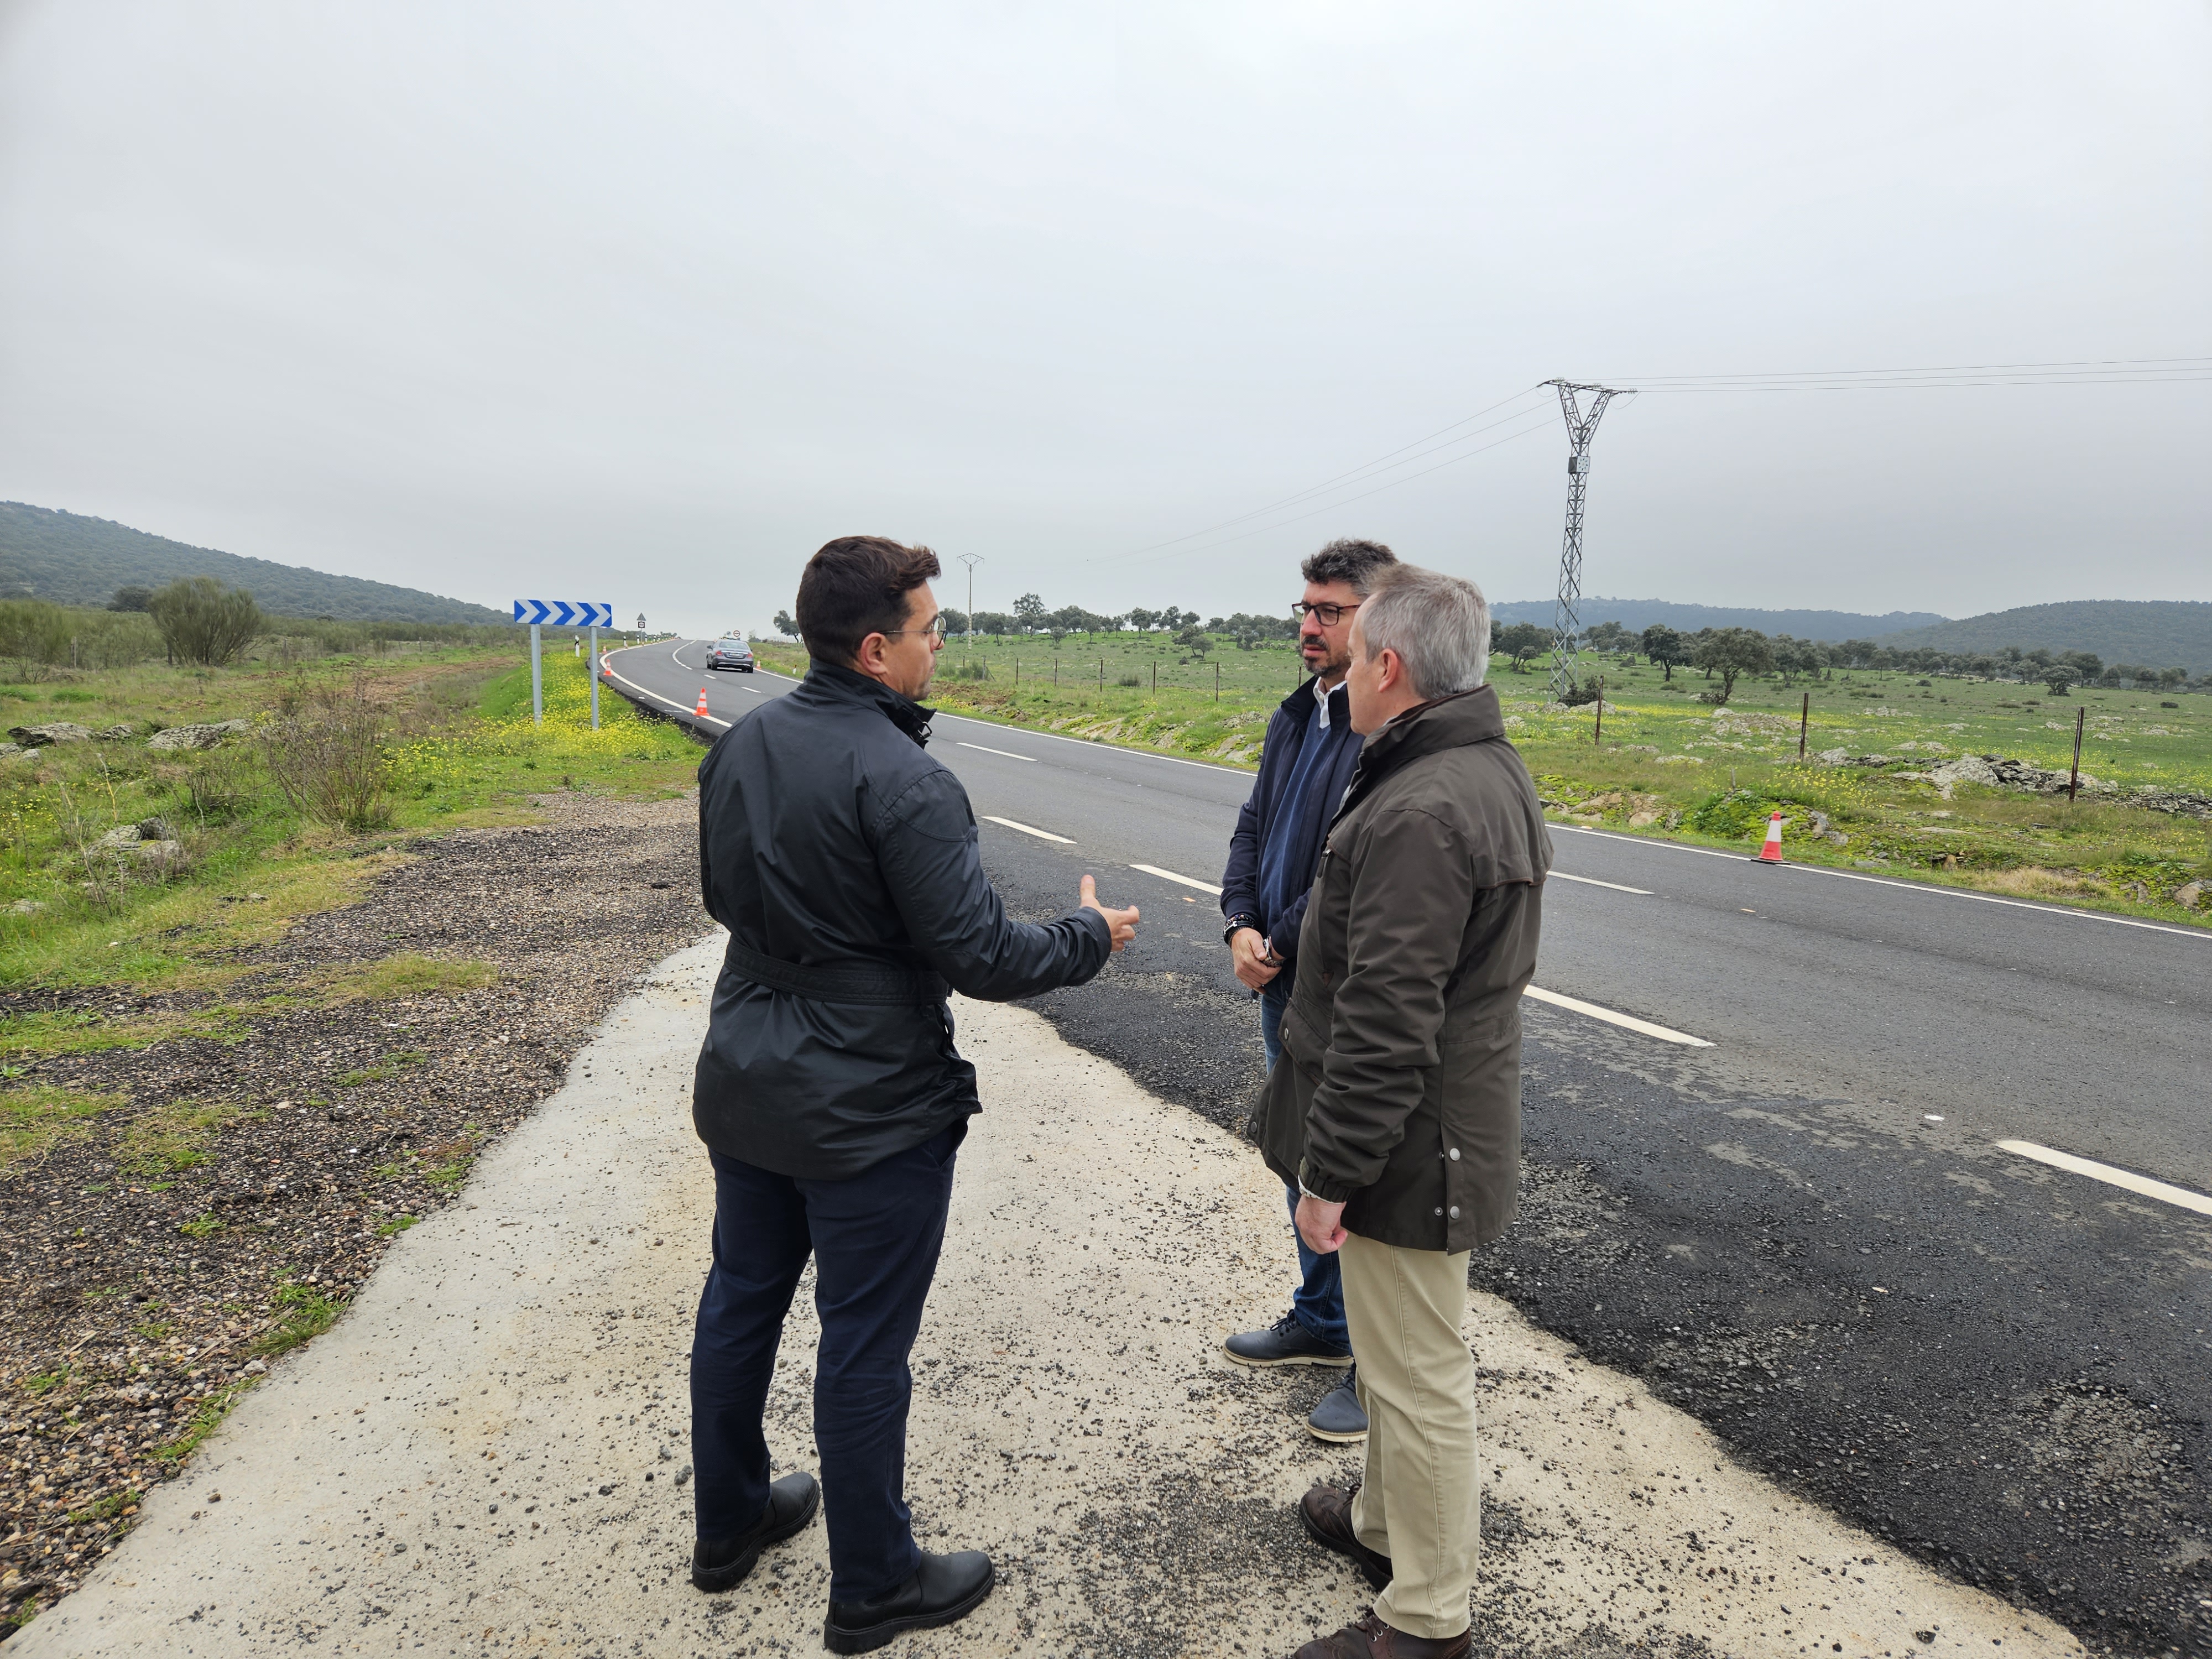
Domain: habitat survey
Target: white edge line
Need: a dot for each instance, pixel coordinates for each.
(1908, 886)
(1664, 1033)
(2105, 1172)
(1027, 829)
(692, 713)
(1592, 881)
(1169, 875)
(1006, 754)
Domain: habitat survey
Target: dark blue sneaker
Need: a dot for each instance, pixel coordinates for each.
(1338, 1418)
(1285, 1342)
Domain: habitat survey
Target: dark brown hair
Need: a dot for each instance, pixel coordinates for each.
(857, 585)
(1352, 562)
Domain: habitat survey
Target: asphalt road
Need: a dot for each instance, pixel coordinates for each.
(1805, 1233)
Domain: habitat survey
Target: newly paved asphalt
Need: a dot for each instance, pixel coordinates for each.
(1805, 1233)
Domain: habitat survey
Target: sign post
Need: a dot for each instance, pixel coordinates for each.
(562, 613)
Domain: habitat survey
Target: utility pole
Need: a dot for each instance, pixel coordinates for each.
(971, 560)
(1566, 622)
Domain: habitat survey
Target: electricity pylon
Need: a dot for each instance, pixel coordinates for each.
(1566, 623)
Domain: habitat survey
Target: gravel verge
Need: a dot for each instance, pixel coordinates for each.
(254, 1174)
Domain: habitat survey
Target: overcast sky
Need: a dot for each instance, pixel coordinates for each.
(644, 303)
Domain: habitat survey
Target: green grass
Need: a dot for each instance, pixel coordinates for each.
(461, 750)
(405, 974)
(36, 1119)
(168, 1140)
(212, 1410)
(1672, 766)
(303, 1313)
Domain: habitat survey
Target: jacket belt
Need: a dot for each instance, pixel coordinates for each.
(879, 987)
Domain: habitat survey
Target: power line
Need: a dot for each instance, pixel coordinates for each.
(2109, 371)
(1261, 530)
(1354, 474)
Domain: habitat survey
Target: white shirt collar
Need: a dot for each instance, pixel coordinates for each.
(1320, 696)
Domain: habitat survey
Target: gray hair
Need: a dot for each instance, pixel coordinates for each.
(1438, 625)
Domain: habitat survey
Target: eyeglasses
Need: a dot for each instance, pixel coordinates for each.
(1330, 615)
(935, 626)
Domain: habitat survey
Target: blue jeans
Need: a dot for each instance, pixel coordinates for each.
(875, 1239)
(1318, 1303)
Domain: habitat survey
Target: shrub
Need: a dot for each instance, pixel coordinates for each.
(327, 755)
(204, 622)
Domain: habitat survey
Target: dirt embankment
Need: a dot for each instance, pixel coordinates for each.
(256, 1159)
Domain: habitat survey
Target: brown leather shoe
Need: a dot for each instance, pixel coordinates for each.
(1370, 1638)
(1327, 1511)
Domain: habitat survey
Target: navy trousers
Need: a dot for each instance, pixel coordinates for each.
(1318, 1303)
(875, 1240)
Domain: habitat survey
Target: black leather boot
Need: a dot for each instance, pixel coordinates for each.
(721, 1564)
(943, 1589)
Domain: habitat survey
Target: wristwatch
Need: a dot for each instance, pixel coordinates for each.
(1236, 925)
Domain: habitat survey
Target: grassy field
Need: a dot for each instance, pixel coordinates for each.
(447, 734)
(1670, 765)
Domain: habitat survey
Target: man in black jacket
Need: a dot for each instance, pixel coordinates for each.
(844, 862)
(1306, 762)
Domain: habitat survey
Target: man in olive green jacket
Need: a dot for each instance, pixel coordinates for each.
(1396, 1105)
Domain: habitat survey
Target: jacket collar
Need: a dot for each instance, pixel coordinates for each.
(1300, 705)
(831, 682)
(1454, 722)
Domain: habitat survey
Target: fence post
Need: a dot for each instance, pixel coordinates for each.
(1598, 736)
(2074, 782)
(1055, 671)
(1804, 720)
(536, 678)
(1101, 677)
(595, 676)
(1156, 675)
(1217, 682)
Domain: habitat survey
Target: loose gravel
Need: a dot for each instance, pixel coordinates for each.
(256, 1175)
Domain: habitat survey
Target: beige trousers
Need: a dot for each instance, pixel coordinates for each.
(1420, 1503)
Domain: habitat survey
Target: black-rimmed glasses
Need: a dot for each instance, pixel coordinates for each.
(934, 625)
(1330, 615)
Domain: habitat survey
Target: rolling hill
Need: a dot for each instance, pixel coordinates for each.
(2153, 633)
(75, 560)
(1637, 615)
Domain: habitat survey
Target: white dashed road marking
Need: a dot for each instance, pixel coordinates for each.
(1169, 875)
(2110, 1175)
(1003, 754)
(1574, 1004)
(1592, 881)
(1028, 830)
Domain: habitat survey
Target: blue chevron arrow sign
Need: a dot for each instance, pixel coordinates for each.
(565, 613)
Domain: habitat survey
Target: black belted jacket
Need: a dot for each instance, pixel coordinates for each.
(843, 861)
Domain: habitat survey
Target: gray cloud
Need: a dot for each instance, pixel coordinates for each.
(644, 303)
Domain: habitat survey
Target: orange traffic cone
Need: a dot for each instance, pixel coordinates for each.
(702, 712)
(1772, 853)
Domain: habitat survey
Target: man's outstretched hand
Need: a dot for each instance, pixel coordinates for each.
(1321, 1224)
(1122, 924)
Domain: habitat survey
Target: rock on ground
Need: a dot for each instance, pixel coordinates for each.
(195, 737)
(53, 732)
(489, 1452)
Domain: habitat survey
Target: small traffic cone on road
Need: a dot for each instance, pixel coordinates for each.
(702, 712)
(1772, 853)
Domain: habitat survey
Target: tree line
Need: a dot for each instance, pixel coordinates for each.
(1730, 653)
(195, 621)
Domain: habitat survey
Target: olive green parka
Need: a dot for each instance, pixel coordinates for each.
(1398, 1093)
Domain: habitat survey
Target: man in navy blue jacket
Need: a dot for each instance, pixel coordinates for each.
(1305, 765)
